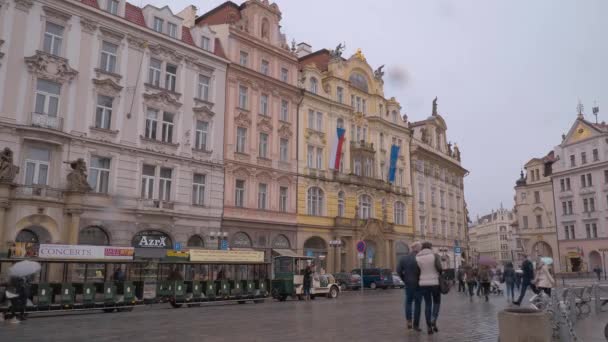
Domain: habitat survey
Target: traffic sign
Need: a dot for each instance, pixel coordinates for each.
(224, 245)
(361, 246)
(178, 246)
(457, 250)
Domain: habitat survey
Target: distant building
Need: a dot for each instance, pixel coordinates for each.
(534, 223)
(492, 236)
(580, 184)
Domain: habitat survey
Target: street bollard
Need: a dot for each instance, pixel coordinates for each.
(524, 324)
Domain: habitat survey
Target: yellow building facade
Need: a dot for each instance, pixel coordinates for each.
(341, 203)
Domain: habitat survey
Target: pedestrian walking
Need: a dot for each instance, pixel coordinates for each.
(508, 277)
(307, 282)
(518, 276)
(409, 272)
(526, 279)
(428, 288)
(544, 281)
(598, 272)
(478, 283)
(460, 277)
(485, 278)
(471, 279)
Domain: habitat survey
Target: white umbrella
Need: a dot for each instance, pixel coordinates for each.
(23, 269)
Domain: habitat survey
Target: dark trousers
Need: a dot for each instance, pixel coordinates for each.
(432, 301)
(410, 296)
(471, 286)
(522, 293)
(511, 289)
(461, 287)
(485, 288)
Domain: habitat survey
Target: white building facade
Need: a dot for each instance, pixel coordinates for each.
(492, 236)
(135, 94)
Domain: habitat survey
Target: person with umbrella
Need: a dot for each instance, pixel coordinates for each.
(544, 281)
(20, 274)
(527, 278)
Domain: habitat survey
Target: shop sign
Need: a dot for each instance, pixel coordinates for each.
(23, 250)
(152, 239)
(84, 252)
(215, 255)
(178, 255)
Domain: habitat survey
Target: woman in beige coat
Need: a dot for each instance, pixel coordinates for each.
(544, 280)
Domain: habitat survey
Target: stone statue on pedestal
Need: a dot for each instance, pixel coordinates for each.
(456, 152)
(8, 170)
(77, 178)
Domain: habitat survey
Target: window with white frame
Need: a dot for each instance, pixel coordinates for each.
(394, 113)
(310, 155)
(311, 119)
(148, 175)
(99, 174)
(47, 97)
(400, 178)
(341, 204)
(319, 121)
(243, 97)
(206, 43)
(313, 85)
(283, 193)
(202, 128)
(170, 76)
(154, 72)
(151, 123)
(112, 6)
(262, 195)
(103, 113)
(265, 67)
(53, 38)
(363, 106)
(264, 104)
(158, 24)
(244, 58)
(241, 139)
(37, 163)
(365, 207)
(357, 167)
(239, 193)
(284, 149)
(172, 30)
(319, 158)
(263, 146)
(284, 75)
(399, 213)
(315, 201)
(164, 190)
(367, 171)
(198, 189)
(109, 53)
(284, 110)
(203, 87)
(340, 94)
(167, 127)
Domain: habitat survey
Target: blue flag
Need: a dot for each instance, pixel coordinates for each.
(393, 165)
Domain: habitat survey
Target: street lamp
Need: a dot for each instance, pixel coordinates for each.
(220, 237)
(335, 244)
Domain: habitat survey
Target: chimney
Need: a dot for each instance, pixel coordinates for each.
(189, 15)
(303, 50)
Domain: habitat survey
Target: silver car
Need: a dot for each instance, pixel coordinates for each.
(397, 282)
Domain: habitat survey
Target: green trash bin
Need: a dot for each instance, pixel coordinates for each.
(164, 288)
(128, 292)
(249, 288)
(210, 291)
(236, 288)
(223, 289)
(67, 294)
(262, 287)
(109, 293)
(197, 290)
(45, 295)
(179, 291)
(88, 294)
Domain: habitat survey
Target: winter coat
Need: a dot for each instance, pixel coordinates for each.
(528, 270)
(485, 275)
(509, 275)
(460, 275)
(544, 278)
(430, 266)
(408, 270)
(470, 274)
(307, 278)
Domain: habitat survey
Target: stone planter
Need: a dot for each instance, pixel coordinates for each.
(524, 325)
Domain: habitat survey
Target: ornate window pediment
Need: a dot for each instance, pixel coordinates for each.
(243, 119)
(285, 131)
(203, 113)
(166, 53)
(50, 67)
(88, 25)
(56, 14)
(107, 87)
(162, 99)
(264, 124)
(111, 34)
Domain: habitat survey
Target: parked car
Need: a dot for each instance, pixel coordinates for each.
(376, 277)
(348, 281)
(397, 282)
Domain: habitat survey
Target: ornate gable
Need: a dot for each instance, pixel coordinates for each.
(50, 67)
(581, 130)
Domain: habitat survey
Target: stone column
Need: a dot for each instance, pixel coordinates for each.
(5, 194)
(73, 211)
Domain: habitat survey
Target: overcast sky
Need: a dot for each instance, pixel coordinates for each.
(508, 74)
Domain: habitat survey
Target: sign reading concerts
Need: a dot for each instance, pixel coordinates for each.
(84, 252)
(214, 255)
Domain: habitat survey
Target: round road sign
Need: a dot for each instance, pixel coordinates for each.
(361, 246)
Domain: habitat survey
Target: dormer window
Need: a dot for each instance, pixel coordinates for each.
(172, 30)
(158, 24)
(112, 6)
(206, 43)
(313, 85)
(265, 28)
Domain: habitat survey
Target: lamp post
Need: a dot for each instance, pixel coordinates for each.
(335, 244)
(220, 237)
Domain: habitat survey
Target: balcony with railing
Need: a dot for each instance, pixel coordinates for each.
(362, 144)
(46, 121)
(38, 191)
(155, 204)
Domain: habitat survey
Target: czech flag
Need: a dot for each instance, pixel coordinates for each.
(336, 149)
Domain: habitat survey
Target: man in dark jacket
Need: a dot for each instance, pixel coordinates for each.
(410, 273)
(460, 277)
(528, 276)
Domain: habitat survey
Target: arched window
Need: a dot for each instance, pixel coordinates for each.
(399, 213)
(341, 204)
(315, 201)
(394, 116)
(93, 235)
(340, 123)
(241, 240)
(196, 241)
(26, 235)
(265, 30)
(281, 241)
(313, 85)
(365, 206)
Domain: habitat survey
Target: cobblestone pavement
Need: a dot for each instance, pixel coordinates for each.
(373, 316)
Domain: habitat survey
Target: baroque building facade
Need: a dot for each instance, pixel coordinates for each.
(580, 185)
(260, 126)
(348, 133)
(534, 211)
(115, 119)
(440, 213)
(492, 236)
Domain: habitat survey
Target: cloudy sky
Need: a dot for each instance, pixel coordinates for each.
(508, 73)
